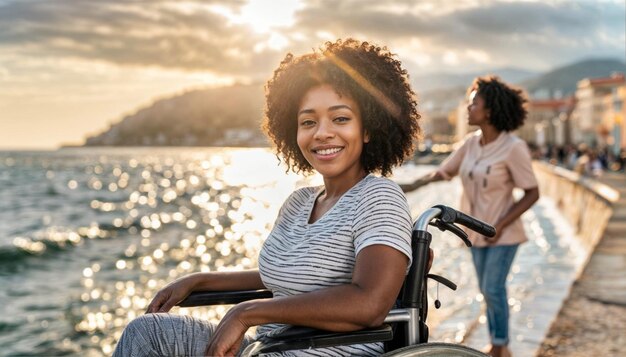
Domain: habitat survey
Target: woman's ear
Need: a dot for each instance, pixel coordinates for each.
(366, 137)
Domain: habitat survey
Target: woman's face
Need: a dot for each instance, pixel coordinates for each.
(330, 133)
(477, 113)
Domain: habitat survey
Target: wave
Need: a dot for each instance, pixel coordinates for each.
(13, 258)
(12, 255)
(48, 243)
(8, 326)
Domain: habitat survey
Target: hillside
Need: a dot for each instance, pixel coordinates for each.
(443, 80)
(557, 82)
(230, 116)
(563, 80)
(219, 116)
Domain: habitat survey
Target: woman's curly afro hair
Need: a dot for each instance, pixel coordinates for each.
(506, 104)
(366, 73)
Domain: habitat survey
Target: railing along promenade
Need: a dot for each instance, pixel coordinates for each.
(592, 320)
(585, 202)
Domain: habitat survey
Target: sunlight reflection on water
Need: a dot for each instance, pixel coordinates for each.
(91, 235)
(224, 208)
(153, 216)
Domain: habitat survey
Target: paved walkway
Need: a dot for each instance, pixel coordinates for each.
(592, 321)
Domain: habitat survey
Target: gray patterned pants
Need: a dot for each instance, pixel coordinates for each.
(166, 335)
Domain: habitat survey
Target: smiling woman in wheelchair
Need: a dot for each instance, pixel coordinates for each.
(338, 254)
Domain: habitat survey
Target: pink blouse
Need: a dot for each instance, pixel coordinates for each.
(489, 173)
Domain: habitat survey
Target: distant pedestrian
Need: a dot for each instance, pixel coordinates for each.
(582, 160)
(594, 167)
(491, 162)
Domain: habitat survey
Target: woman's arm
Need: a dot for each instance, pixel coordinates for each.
(448, 169)
(232, 280)
(422, 181)
(179, 289)
(519, 164)
(378, 275)
(531, 196)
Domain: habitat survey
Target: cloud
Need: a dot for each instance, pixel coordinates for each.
(533, 34)
(143, 33)
(195, 36)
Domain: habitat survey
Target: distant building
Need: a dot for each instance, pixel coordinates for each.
(548, 121)
(437, 126)
(588, 118)
(436, 121)
(459, 116)
(614, 118)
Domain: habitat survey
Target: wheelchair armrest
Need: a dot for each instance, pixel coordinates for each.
(298, 337)
(201, 298)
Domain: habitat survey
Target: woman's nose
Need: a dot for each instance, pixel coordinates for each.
(324, 131)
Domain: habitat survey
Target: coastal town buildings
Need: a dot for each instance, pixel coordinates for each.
(595, 114)
(614, 118)
(589, 119)
(548, 121)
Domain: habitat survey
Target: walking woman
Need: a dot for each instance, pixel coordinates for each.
(337, 255)
(491, 162)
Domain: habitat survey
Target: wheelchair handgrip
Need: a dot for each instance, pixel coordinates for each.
(451, 215)
(475, 224)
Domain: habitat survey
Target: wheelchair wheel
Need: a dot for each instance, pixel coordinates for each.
(436, 349)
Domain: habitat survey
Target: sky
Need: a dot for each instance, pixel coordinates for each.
(70, 68)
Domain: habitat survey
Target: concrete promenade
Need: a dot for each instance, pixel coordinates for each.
(592, 320)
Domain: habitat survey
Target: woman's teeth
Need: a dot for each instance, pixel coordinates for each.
(328, 151)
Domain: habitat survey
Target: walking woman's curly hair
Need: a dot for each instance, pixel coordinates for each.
(368, 74)
(506, 104)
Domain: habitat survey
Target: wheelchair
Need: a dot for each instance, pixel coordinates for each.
(404, 331)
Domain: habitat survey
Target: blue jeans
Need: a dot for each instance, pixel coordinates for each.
(492, 267)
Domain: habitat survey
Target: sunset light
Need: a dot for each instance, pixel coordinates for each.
(156, 154)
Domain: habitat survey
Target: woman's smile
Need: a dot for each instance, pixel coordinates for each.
(327, 153)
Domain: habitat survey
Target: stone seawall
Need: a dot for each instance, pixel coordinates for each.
(592, 319)
(587, 204)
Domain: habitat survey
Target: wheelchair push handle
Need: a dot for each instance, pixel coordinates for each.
(450, 215)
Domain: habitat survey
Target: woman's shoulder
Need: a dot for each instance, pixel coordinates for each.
(380, 198)
(512, 139)
(514, 143)
(472, 138)
(378, 185)
(301, 195)
(381, 182)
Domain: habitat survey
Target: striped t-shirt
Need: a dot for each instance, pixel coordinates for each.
(299, 257)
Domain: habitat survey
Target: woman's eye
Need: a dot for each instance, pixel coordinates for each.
(342, 119)
(307, 122)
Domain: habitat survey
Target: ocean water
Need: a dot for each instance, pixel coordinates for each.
(87, 237)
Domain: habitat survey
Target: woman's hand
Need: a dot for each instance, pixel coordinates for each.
(431, 258)
(179, 289)
(493, 240)
(171, 294)
(227, 338)
(408, 187)
(531, 196)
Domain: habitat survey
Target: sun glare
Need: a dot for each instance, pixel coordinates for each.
(262, 15)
